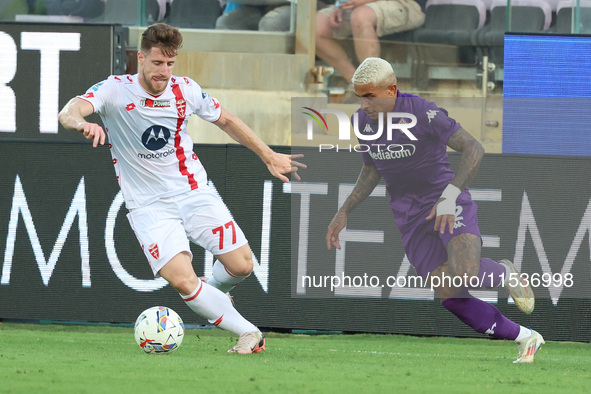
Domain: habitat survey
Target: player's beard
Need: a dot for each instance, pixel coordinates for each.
(152, 87)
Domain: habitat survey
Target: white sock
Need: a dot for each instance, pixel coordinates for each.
(223, 279)
(524, 332)
(216, 307)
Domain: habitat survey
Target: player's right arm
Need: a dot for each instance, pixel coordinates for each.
(368, 179)
(72, 118)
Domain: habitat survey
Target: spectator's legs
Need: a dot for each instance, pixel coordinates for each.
(329, 50)
(363, 24)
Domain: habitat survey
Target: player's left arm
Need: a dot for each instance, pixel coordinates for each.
(277, 163)
(472, 154)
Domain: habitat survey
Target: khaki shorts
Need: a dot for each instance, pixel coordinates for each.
(393, 16)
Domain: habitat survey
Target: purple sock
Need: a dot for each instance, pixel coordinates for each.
(481, 316)
(490, 274)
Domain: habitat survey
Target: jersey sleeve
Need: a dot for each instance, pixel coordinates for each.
(97, 95)
(438, 122)
(206, 107)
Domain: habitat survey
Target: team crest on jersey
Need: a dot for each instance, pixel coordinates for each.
(149, 103)
(154, 251)
(181, 106)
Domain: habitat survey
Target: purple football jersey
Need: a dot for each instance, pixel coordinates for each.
(415, 172)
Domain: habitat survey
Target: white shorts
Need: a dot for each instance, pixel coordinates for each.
(165, 227)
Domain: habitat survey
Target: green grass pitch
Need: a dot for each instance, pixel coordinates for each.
(43, 358)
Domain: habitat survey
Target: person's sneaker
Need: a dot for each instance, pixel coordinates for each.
(230, 296)
(528, 347)
(251, 342)
(522, 294)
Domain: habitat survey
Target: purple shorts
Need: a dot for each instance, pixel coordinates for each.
(425, 247)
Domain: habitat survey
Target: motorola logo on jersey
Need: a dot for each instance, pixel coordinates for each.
(155, 137)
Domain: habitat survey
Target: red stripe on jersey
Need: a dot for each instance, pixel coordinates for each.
(180, 152)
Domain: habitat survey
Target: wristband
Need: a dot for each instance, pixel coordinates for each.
(448, 205)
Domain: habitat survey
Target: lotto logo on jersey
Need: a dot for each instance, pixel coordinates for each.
(155, 137)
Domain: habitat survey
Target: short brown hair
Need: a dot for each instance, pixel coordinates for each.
(168, 38)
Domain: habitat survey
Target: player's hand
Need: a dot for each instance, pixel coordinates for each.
(442, 220)
(94, 132)
(334, 228)
(284, 164)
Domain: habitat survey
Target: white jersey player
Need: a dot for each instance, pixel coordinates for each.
(163, 182)
(151, 149)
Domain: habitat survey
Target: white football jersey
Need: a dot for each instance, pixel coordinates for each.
(151, 149)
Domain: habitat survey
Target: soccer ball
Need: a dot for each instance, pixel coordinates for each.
(159, 330)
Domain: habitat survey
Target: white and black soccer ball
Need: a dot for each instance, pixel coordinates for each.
(159, 330)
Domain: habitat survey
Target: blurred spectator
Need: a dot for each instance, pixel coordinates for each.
(365, 21)
(263, 15)
(246, 14)
(279, 18)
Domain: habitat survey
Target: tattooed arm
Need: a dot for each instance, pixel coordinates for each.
(472, 153)
(368, 179)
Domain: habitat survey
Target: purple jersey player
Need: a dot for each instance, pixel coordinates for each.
(432, 206)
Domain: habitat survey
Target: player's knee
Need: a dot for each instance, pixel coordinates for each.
(185, 285)
(244, 268)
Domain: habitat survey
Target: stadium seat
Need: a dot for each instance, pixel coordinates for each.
(564, 15)
(554, 4)
(195, 14)
(452, 22)
(127, 12)
(527, 16)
